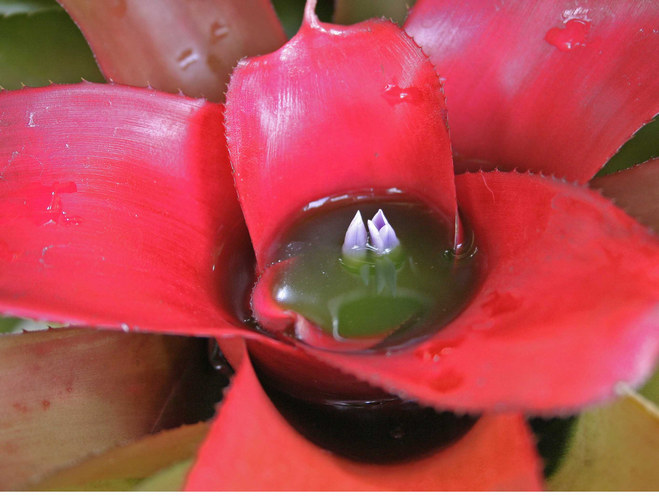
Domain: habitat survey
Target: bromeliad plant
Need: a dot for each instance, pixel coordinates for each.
(507, 288)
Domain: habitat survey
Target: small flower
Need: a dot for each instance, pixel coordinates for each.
(354, 245)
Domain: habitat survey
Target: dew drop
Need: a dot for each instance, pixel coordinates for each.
(447, 381)
(218, 361)
(44, 202)
(571, 35)
(439, 348)
(187, 58)
(397, 95)
(497, 303)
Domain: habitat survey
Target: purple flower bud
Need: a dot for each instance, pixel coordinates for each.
(383, 236)
(380, 220)
(376, 239)
(389, 239)
(356, 238)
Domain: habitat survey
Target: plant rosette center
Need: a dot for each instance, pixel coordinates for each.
(364, 274)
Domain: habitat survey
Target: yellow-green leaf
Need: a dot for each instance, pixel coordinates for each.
(155, 462)
(169, 479)
(614, 448)
(650, 390)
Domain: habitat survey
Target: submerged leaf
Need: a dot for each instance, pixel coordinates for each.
(571, 282)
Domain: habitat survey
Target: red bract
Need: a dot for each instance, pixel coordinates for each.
(553, 87)
(118, 210)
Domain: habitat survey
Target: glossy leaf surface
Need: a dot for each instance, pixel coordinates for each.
(173, 45)
(567, 307)
(68, 393)
(554, 87)
(250, 447)
(117, 209)
(335, 111)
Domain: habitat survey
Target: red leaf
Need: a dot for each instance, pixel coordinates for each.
(117, 208)
(567, 309)
(554, 87)
(336, 110)
(172, 45)
(251, 447)
(635, 190)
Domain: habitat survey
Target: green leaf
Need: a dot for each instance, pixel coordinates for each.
(8, 324)
(614, 448)
(650, 390)
(43, 47)
(643, 146)
(155, 462)
(290, 13)
(169, 479)
(13, 7)
(354, 11)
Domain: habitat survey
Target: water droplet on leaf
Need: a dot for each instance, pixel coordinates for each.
(571, 35)
(397, 95)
